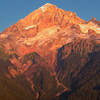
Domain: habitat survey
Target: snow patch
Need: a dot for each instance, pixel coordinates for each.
(98, 29)
(29, 27)
(43, 8)
(86, 27)
(3, 35)
(48, 4)
(82, 26)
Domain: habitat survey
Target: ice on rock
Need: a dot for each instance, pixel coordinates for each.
(43, 8)
(29, 27)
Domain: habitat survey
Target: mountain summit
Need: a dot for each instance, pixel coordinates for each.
(48, 28)
(49, 14)
(43, 28)
(53, 52)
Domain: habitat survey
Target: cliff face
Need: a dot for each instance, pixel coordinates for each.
(51, 48)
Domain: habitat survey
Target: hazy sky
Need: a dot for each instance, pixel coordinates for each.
(13, 10)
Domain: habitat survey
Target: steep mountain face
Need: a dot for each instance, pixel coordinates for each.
(42, 28)
(55, 53)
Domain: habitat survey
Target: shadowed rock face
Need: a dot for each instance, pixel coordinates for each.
(55, 52)
(73, 56)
